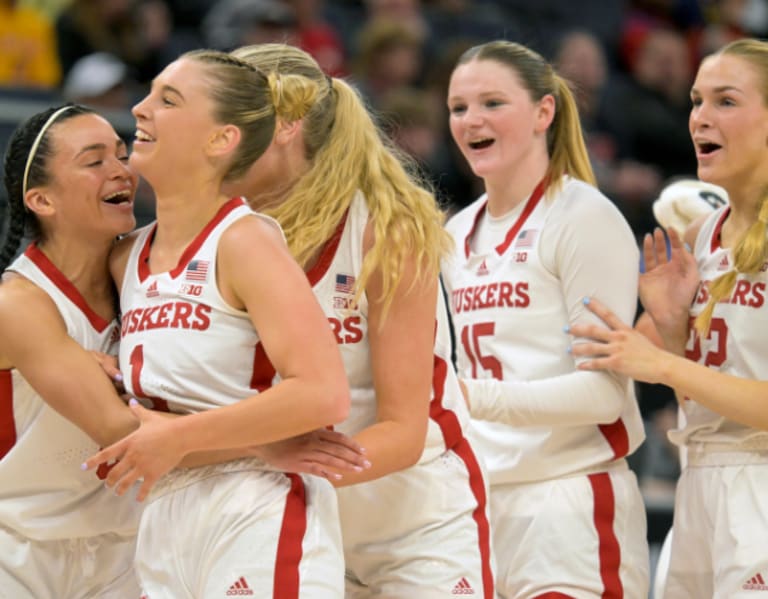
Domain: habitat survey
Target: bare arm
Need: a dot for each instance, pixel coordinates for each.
(402, 356)
(256, 273)
(35, 341)
(621, 349)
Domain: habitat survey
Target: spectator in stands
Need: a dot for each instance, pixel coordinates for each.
(390, 55)
(27, 48)
(139, 32)
(632, 185)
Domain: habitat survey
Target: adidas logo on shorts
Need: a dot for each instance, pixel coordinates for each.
(239, 588)
(463, 588)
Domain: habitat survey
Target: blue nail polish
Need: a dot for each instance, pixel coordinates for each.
(118, 377)
(585, 301)
(133, 401)
(83, 466)
(567, 328)
(568, 349)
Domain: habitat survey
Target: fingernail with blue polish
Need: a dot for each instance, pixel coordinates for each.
(118, 377)
(567, 328)
(568, 349)
(585, 301)
(83, 466)
(133, 401)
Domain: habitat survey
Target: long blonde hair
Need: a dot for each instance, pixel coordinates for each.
(751, 250)
(252, 100)
(348, 154)
(565, 140)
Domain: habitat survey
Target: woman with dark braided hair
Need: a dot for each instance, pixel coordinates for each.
(62, 534)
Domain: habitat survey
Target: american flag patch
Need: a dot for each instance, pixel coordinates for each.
(344, 283)
(526, 238)
(197, 270)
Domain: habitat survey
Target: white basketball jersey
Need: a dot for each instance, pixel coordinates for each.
(737, 343)
(182, 346)
(333, 279)
(509, 311)
(44, 494)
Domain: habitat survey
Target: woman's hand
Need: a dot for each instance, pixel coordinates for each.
(619, 347)
(670, 280)
(109, 365)
(323, 452)
(148, 453)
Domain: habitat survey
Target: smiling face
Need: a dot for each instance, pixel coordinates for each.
(174, 123)
(493, 120)
(91, 187)
(729, 122)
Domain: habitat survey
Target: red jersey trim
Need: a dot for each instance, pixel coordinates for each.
(327, 254)
(454, 440)
(192, 248)
(65, 286)
(289, 549)
(7, 421)
(530, 205)
(714, 243)
(617, 437)
(608, 545)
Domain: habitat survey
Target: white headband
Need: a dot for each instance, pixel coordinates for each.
(33, 149)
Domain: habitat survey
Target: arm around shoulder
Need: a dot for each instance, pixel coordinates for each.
(66, 375)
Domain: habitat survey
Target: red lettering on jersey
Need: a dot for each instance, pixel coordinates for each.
(354, 333)
(523, 299)
(505, 294)
(145, 322)
(181, 316)
(740, 293)
(335, 328)
(346, 331)
(758, 295)
(477, 302)
(203, 321)
(492, 288)
(162, 316)
(171, 315)
(494, 295)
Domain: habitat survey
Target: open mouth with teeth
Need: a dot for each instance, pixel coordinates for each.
(119, 197)
(141, 136)
(480, 144)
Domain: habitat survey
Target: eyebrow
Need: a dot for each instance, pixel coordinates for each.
(119, 144)
(169, 88)
(719, 89)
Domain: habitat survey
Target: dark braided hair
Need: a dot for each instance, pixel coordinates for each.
(20, 220)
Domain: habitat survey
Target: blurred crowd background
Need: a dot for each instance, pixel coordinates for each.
(631, 63)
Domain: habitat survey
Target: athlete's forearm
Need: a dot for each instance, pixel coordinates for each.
(739, 399)
(573, 399)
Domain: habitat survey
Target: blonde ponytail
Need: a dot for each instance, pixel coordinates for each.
(749, 256)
